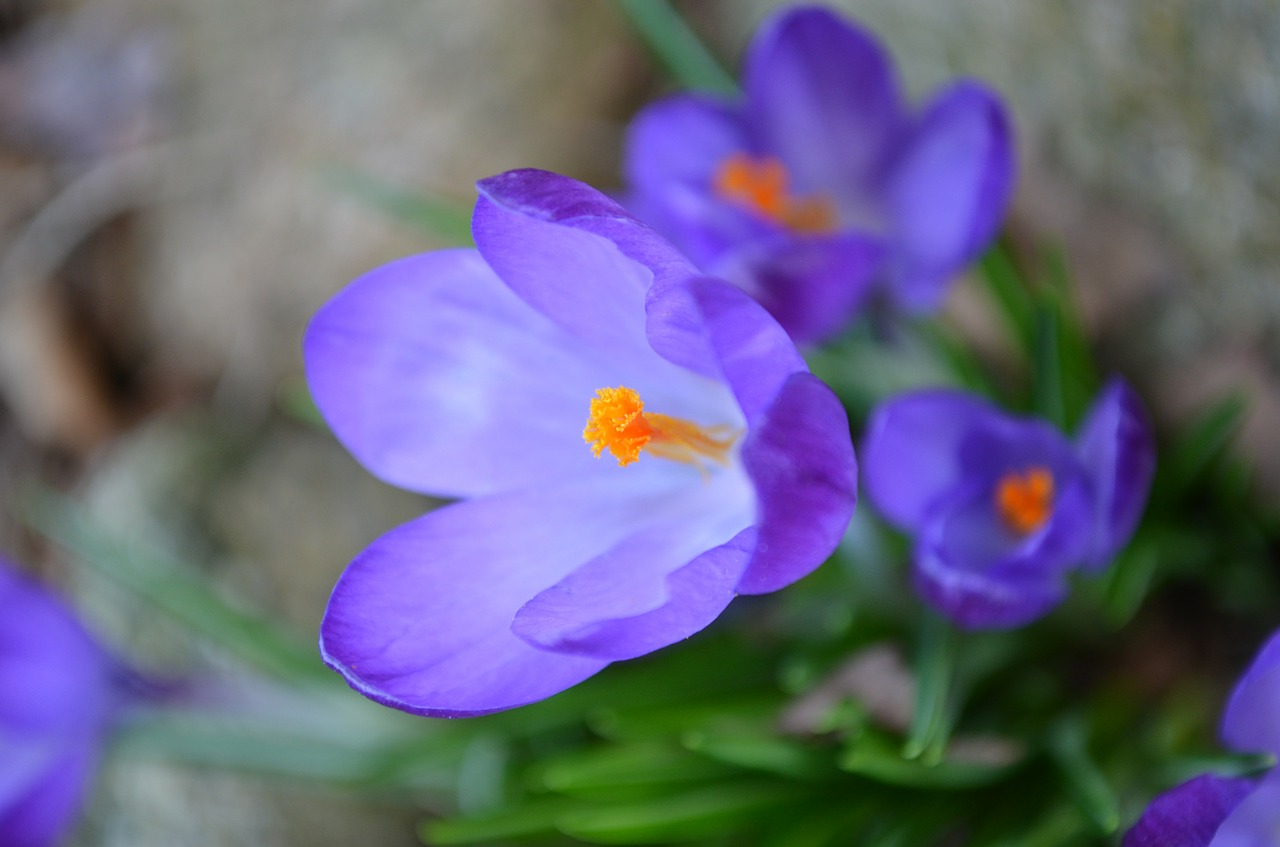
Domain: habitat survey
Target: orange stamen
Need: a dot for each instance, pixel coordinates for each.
(1025, 500)
(618, 423)
(760, 185)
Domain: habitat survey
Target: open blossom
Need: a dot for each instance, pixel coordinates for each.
(59, 693)
(1004, 508)
(1220, 811)
(633, 444)
(820, 187)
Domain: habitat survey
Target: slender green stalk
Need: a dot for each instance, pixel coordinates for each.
(934, 666)
(671, 40)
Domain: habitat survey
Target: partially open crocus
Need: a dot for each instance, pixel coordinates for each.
(819, 187)
(633, 444)
(1228, 811)
(59, 693)
(1004, 508)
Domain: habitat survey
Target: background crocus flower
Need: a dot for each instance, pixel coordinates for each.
(634, 445)
(1003, 508)
(819, 186)
(1220, 811)
(59, 693)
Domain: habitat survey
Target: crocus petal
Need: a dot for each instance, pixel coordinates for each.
(54, 678)
(645, 594)
(800, 457)
(1251, 722)
(822, 95)
(1188, 815)
(751, 352)
(812, 286)
(42, 815)
(911, 451)
(421, 621)
(974, 571)
(1255, 821)
(1118, 452)
(440, 380)
(682, 140)
(948, 191)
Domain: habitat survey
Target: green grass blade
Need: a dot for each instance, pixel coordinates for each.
(677, 47)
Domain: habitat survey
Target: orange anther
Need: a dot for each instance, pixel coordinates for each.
(1025, 500)
(760, 185)
(618, 423)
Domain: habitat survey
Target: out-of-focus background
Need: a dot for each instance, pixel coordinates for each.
(183, 183)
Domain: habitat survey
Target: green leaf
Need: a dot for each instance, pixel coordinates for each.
(1012, 295)
(671, 40)
(935, 663)
(1085, 782)
(325, 747)
(770, 754)
(875, 758)
(446, 219)
(676, 720)
(295, 400)
(176, 589)
(535, 819)
(612, 771)
(687, 816)
(1203, 444)
(1048, 399)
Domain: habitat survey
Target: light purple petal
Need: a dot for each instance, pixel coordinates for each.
(800, 457)
(1118, 452)
(948, 191)
(439, 379)
(1188, 815)
(683, 140)
(813, 286)
(1255, 821)
(43, 813)
(575, 255)
(981, 576)
(751, 353)
(581, 282)
(1251, 721)
(822, 95)
(614, 609)
(421, 621)
(54, 678)
(911, 451)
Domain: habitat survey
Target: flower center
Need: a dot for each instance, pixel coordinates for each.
(618, 423)
(760, 185)
(1025, 500)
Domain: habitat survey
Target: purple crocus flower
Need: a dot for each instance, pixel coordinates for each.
(1219, 811)
(819, 186)
(471, 374)
(1003, 508)
(59, 693)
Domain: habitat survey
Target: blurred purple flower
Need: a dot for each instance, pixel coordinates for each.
(470, 374)
(1219, 811)
(819, 187)
(59, 693)
(1003, 508)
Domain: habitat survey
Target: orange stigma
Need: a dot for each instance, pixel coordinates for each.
(618, 423)
(1025, 500)
(760, 184)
